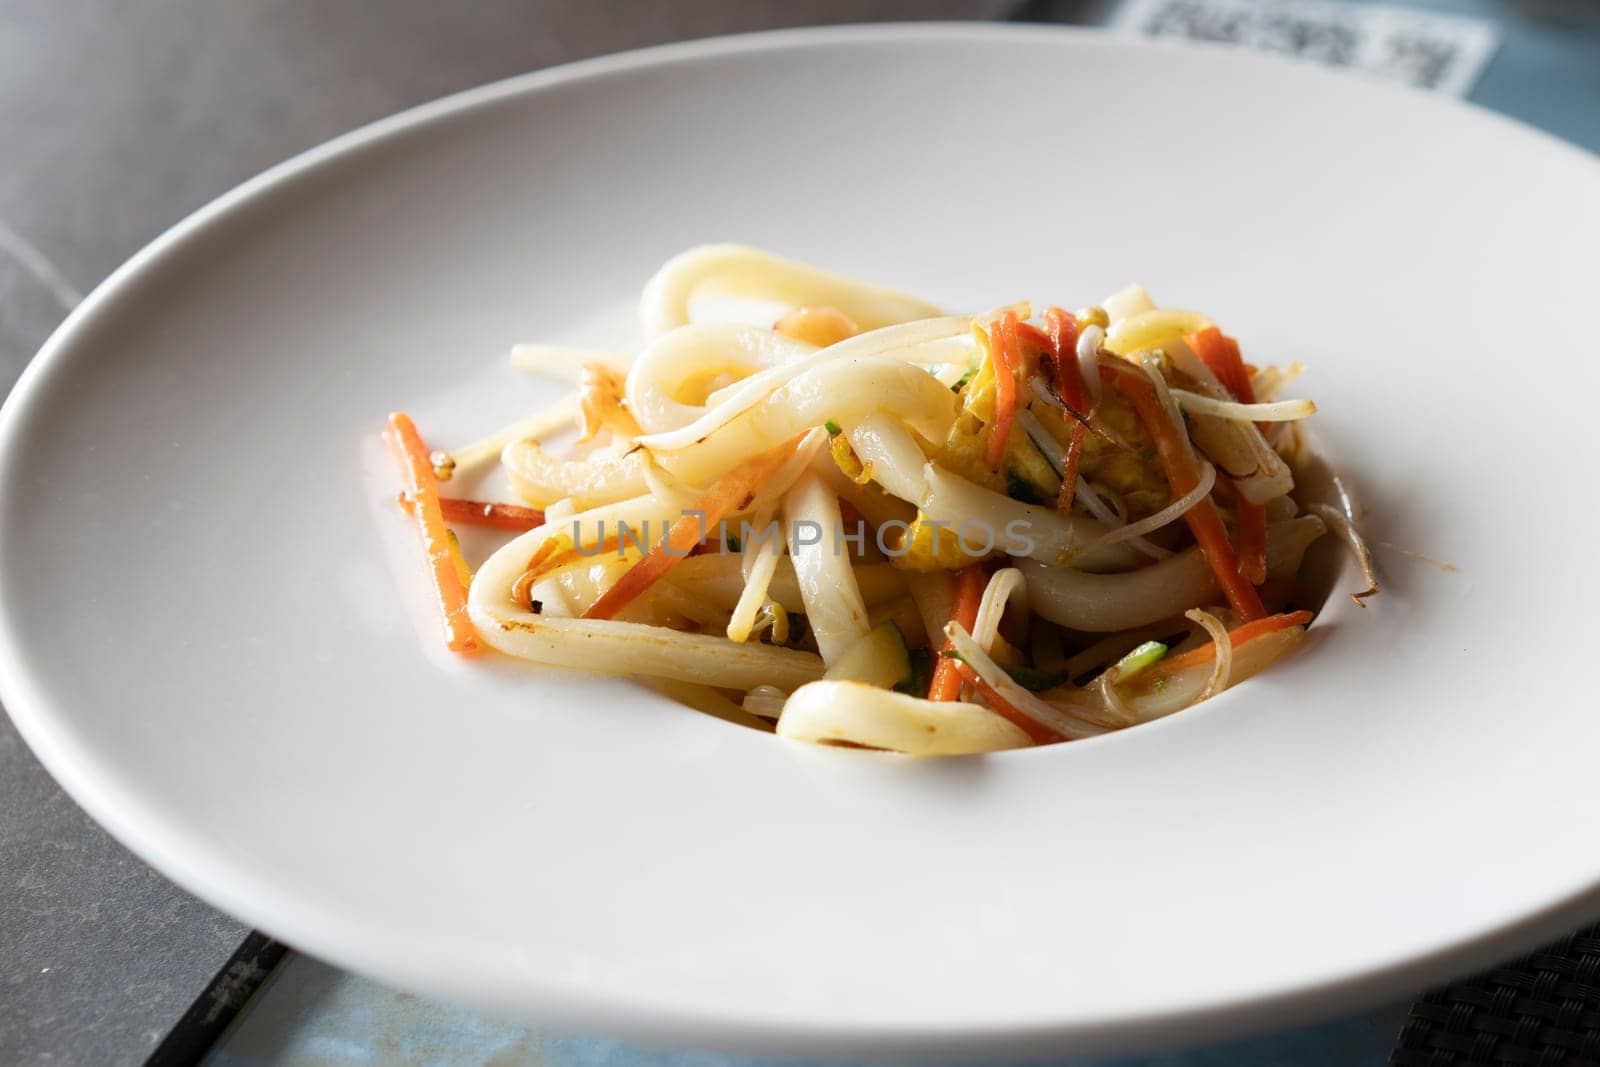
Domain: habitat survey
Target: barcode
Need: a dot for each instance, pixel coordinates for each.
(1432, 51)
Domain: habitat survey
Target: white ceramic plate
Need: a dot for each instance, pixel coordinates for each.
(213, 614)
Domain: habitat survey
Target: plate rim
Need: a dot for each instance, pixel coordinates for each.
(245, 893)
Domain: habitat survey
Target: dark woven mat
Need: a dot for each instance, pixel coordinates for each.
(1541, 1009)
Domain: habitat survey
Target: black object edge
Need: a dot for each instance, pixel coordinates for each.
(1541, 1009)
(223, 998)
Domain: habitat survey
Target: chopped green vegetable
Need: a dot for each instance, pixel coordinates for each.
(733, 543)
(1148, 454)
(1144, 656)
(833, 428)
(921, 674)
(1019, 488)
(879, 658)
(960, 383)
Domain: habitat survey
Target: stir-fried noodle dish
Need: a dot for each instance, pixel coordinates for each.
(868, 522)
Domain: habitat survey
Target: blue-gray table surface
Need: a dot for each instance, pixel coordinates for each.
(117, 120)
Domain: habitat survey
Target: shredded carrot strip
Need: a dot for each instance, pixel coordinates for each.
(1005, 348)
(704, 515)
(1069, 468)
(479, 513)
(1252, 541)
(970, 583)
(1063, 336)
(1221, 354)
(1182, 477)
(1252, 533)
(423, 488)
(1237, 636)
(1038, 731)
(1069, 383)
(1034, 336)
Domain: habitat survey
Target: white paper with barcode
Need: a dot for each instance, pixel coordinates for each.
(1432, 51)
